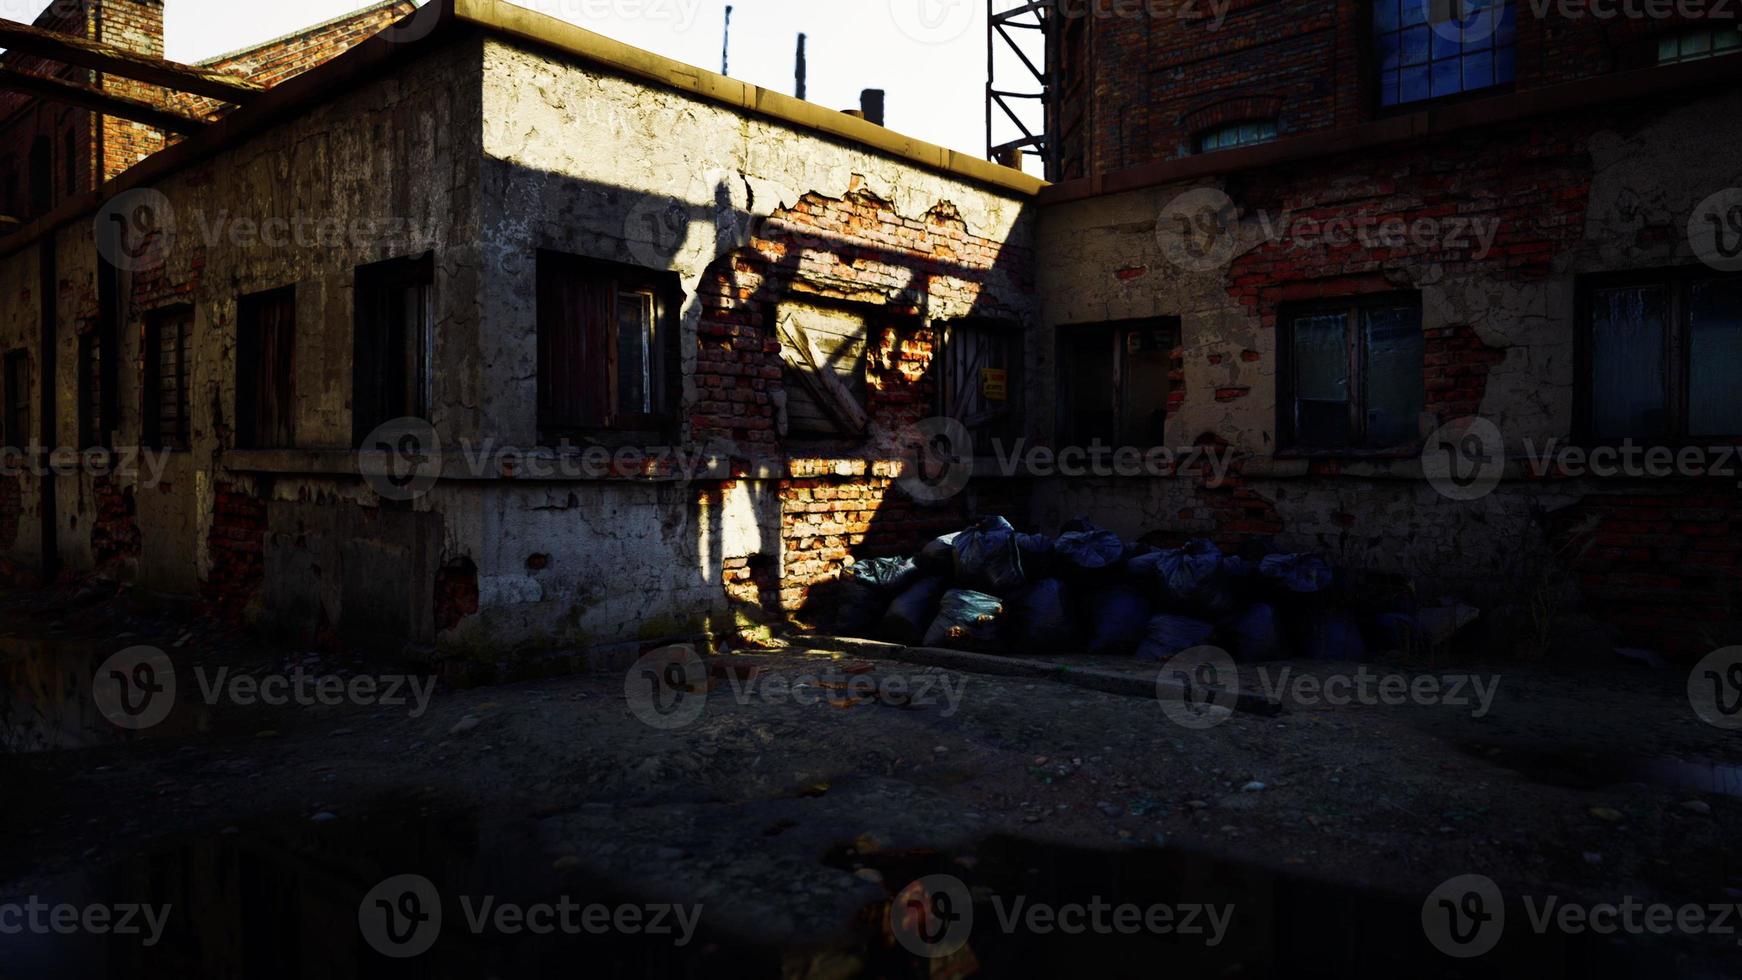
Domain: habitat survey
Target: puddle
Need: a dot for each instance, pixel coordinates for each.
(48, 699)
(1592, 770)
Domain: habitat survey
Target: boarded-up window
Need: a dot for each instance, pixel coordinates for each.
(266, 370)
(395, 343)
(1354, 376)
(825, 352)
(15, 409)
(980, 379)
(167, 425)
(1114, 382)
(606, 347)
(1662, 353)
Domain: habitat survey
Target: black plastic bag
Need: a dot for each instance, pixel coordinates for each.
(967, 621)
(989, 558)
(1040, 620)
(1037, 556)
(1118, 618)
(1299, 574)
(1088, 551)
(911, 614)
(865, 592)
(939, 556)
(1255, 634)
(1168, 636)
(1189, 579)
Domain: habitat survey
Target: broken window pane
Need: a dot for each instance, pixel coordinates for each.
(602, 352)
(1396, 396)
(1321, 381)
(1715, 358)
(1144, 382)
(1628, 394)
(635, 353)
(1116, 381)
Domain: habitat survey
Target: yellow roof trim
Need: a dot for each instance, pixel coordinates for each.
(532, 26)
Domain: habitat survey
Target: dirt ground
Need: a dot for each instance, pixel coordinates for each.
(793, 817)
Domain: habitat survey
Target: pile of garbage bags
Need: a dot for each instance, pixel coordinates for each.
(994, 589)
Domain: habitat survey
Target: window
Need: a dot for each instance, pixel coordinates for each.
(394, 343)
(70, 162)
(15, 375)
(93, 421)
(1432, 49)
(1237, 134)
(606, 347)
(167, 424)
(1697, 45)
(1116, 383)
(41, 177)
(980, 379)
(266, 370)
(1661, 356)
(1353, 377)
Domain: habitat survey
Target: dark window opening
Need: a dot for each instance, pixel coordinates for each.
(266, 370)
(70, 162)
(167, 423)
(1115, 382)
(980, 379)
(1435, 49)
(15, 375)
(1353, 376)
(1661, 355)
(41, 177)
(93, 421)
(1699, 44)
(606, 347)
(394, 343)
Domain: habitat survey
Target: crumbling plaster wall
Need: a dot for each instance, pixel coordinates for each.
(1582, 193)
(589, 163)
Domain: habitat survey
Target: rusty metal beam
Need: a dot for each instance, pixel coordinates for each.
(106, 103)
(111, 60)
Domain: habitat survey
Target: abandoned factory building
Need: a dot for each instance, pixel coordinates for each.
(672, 336)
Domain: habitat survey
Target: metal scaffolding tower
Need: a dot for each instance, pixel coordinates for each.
(1030, 106)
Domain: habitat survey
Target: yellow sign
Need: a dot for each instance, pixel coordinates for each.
(995, 384)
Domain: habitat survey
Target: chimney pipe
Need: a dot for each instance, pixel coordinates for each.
(871, 104)
(801, 66)
(726, 45)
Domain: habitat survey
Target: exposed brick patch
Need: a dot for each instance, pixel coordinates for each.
(238, 551)
(1232, 393)
(456, 593)
(1135, 272)
(1457, 366)
(115, 529)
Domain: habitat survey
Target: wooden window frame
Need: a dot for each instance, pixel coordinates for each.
(153, 433)
(607, 426)
(1008, 425)
(1119, 332)
(1287, 423)
(249, 407)
(378, 291)
(1678, 340)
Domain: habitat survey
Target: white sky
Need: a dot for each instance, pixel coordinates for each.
(930, 55)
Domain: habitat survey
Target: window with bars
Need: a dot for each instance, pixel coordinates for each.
(1115, 382)
(15, 409)
(1699, 44)
(1354, 376)
(980, 379)
(167, 424)
(266, 370)
(1435, 49)
(394, 343)
(1661, 355)
(606, 347)
(1237, 134)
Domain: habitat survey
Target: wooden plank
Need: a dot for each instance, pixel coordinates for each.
(812, 367)
(108, 104)
(112, 60)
